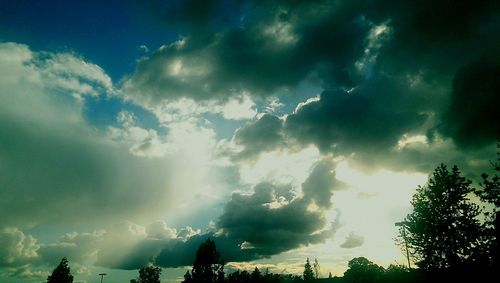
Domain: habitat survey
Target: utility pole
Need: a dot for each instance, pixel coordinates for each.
(403, 224)
(102, 275)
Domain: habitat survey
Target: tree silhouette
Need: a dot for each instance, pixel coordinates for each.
(208, 266)
(396, 273)
(490, 193)
(256, 276)
(491, 186)
(362, 270)
(316, 268)
(239, 277)
(149, 274)
(308, 272)
(187, 277)
(443, 230)
(61, 274)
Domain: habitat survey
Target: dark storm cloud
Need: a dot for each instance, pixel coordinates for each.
(338, 45)
(261, 135)
(251, 218)
(319, 185)
(271, 221)
(182, 253)
(370, 118)
(350, 122)
(473, 116)
(277, 46)
(437, 36)
(193, 16)
(267, 222)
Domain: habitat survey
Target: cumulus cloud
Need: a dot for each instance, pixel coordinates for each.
(393, 122)
(273, 219)
(386, 69)
(352, 241)
(436, 37)
(143, 142)
(283, 43)
(261, 135)
(17, 248)
(260, 55)
(26, 272)
(54, 165)
(361, 120)
(268, 221)
(320, 183)
(402, 86)
(124, 245)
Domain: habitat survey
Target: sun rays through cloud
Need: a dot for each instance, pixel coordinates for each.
(283, 130)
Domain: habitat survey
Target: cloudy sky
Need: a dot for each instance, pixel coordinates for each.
(130, 131)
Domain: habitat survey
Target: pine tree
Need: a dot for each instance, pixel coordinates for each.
(256, 276)
(208, 266)
(61, 273)
(308, 272)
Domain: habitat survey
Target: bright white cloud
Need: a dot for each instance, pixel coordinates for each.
(16, 247)
(280, 166)
(239, 108)
(282, 33)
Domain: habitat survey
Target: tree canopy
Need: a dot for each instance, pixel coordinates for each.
(361, 269)
(490, 193)
(208, 266)
(149, 274)
(61, 274)
(443, 229)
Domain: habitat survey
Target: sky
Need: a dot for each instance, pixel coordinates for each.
(131, 131)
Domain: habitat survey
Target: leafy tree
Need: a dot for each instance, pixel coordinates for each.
(396, 273)
(316, 268)
(330, 275)
(208, 266)
(443, 230)
(149, 274)
(490, 193)
(491, 186)
(61, 274)
(308, 272)
(362, 270)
